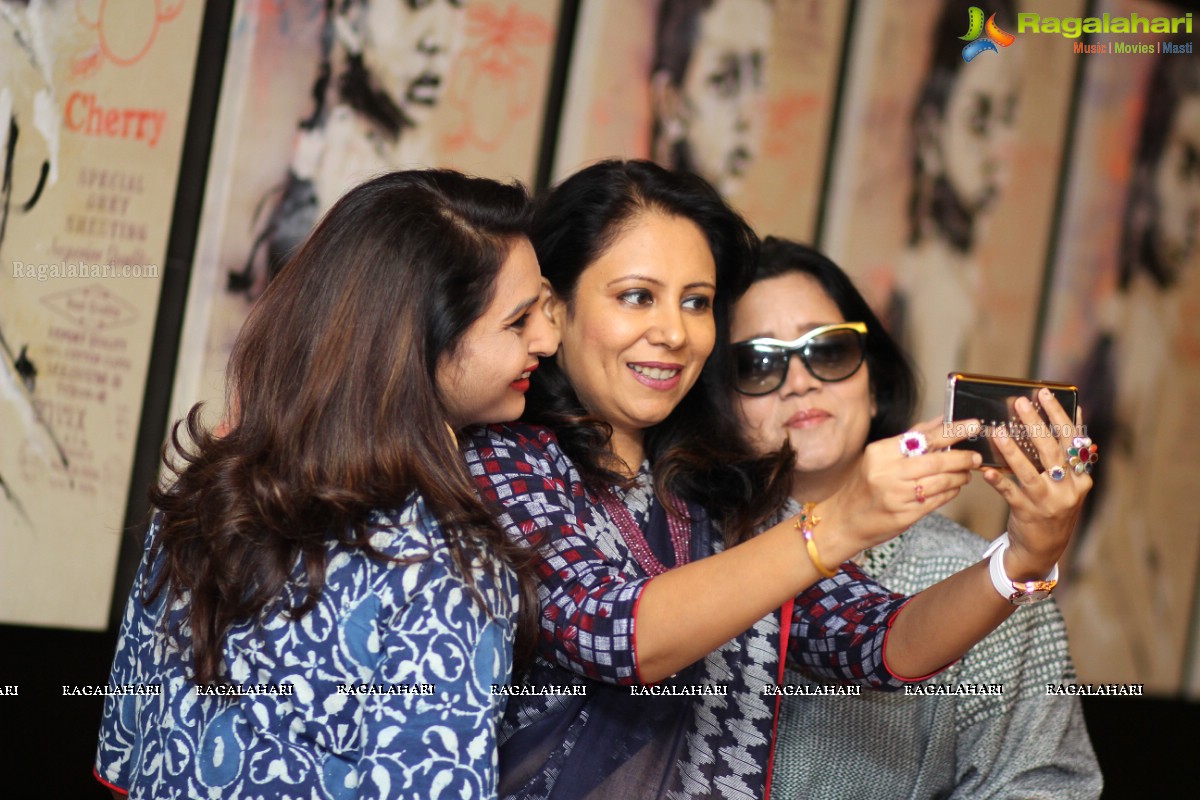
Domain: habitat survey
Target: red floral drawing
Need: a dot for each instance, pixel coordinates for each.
(494, 70)
(125, 31)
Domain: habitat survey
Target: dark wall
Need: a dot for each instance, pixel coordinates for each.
(1144, 744)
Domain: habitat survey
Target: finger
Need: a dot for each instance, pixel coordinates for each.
(942, 434)
(1006, 488)
(1063, 426)
(934, 501)
(938, 484)
(1022, 468)
(1044, 438)
(943, 461)
(1080, 425)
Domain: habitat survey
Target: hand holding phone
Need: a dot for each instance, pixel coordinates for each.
(992, 401)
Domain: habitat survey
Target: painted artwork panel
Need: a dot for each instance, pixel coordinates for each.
(739, 91)
(1122, 323)
(944, 186)
(93, 107)
(318, 97)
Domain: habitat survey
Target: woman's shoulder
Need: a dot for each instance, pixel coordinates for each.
(519, 435)
(408, 531)
(510, 451)
(414, 550)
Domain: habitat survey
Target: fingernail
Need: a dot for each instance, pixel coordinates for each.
(1023, 404)
(1046, 394)
(976, 459)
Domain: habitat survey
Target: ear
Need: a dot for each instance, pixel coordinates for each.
(555, 308)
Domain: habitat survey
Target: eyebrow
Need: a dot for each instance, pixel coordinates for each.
(521, 308)
(657, 282)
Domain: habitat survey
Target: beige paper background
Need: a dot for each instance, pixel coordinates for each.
(108, 201)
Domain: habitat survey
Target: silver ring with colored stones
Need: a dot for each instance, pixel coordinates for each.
(1057, 473)
(1082, 455)
(913, 443)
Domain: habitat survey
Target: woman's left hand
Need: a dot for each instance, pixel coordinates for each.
(1043, 507)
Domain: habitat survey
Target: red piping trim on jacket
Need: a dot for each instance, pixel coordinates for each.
(785, 630)
(113, 786)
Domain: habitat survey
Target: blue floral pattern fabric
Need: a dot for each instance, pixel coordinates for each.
(384, 690)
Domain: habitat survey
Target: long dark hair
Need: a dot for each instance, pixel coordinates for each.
(336, 411)
(893, 380)
(697, 452)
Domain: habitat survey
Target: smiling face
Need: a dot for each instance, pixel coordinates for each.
(826, 423)
(408, 46)
(486, 378)
(640, 326)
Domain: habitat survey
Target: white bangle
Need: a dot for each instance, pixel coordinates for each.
(1015, 592)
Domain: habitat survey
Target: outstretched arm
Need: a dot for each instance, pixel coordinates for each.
(941, 623)
(664, 624)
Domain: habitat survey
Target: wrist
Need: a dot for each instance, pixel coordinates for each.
(806, 523)
(1022, 565)
(1019, 589)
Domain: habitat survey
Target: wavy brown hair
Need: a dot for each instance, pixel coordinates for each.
(337, 412)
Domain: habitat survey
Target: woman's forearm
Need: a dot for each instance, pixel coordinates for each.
(686, 613)
(939, 625)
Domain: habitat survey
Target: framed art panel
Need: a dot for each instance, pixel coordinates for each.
(944, 188)
(319, 96)
(94, 100)
(739, 91)
(1121, 322)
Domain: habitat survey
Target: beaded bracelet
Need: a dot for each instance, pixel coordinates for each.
(805, 522)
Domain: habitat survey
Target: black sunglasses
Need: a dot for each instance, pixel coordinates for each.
(830, 353)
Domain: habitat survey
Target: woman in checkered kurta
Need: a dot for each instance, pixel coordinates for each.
(660, 610)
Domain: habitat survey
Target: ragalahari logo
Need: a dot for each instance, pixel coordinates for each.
(983, 37)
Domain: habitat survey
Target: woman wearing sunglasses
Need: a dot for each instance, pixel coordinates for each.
(829, 392)
(660, 624)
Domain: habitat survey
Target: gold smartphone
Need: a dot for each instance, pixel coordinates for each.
(992, 401)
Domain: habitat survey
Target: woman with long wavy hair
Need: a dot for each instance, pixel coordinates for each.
(324, 603)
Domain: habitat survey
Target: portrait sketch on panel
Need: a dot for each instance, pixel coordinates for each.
(322, 94)
(739, 91)
(1122, 324)
(944, 183)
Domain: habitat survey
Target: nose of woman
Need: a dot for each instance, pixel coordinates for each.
(667, 327)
